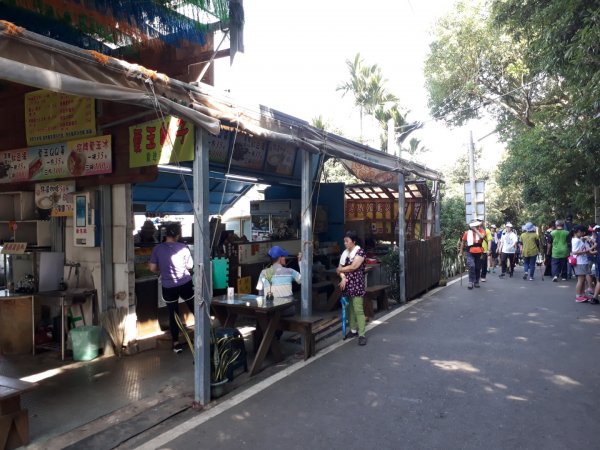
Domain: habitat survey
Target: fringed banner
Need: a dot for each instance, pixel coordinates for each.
(123, 23)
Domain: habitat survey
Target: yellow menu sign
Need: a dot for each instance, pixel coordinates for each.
(52, 117)
(157, 142)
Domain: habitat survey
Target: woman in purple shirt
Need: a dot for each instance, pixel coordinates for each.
(173, 260)
(352, 271)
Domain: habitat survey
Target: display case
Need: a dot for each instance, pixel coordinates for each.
(18, 220)
(34, 271)
(275, 219)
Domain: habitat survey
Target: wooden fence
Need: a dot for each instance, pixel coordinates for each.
(423, 265)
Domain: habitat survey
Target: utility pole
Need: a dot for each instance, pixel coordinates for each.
(472, 177)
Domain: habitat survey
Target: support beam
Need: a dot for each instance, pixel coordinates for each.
(401, 236)
(202, 278)
(107, 298)
(307, 234)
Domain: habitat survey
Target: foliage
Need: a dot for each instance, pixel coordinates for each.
(367, 85)
(534, 67)
(452, 222)
(269, 273)
(334, 171)
(474, 66)
(223, 355)
(391, 262)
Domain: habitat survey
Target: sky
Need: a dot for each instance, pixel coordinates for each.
(295, 57)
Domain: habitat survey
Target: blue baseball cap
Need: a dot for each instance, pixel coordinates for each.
(277, 252)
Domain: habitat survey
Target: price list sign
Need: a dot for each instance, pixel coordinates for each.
(281, 159)
(249, 152)
(54, 117)
(218, 148)
(57, 197)
(80, 158)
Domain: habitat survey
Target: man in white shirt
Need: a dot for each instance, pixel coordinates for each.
(507, 248)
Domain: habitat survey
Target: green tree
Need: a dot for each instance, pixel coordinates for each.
(474, 66)
(333, 170)
(367, 85)
(534, 67)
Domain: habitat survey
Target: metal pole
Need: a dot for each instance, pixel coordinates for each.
(391, 137)
(437, 227)
(106, 248)
(202, 280)
(472, 177)
(401, 236)
(306, 234)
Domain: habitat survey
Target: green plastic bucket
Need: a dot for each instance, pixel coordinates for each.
(220, 273)
(86, 342)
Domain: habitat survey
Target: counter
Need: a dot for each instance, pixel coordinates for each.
(17, 332)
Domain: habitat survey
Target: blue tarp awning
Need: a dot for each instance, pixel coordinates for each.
(173, 193)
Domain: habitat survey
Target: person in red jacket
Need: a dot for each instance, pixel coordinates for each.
(473, 239)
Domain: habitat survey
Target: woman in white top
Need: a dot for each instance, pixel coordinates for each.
(507, 248)
(580, 250)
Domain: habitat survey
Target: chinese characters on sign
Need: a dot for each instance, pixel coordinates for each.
(248, 152)
(83, 157)
(158, 142)
(218, 147)
(14, 248)
(53, 117)
(55, 196)
(280, 159)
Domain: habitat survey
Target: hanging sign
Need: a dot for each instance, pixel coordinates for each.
(54, 117)
(280, 159)
(157, 142)
(80, 158)
(249, 152)
(14, 248)
(57, 197)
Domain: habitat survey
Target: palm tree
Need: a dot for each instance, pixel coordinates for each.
(367, 85)
(415, 148)
(401, 126)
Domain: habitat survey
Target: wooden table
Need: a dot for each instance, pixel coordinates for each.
(14, 421)
(268, 317)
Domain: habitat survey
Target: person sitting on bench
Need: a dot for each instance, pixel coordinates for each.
(281, 282)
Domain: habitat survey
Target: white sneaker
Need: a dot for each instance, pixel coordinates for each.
(555, 279)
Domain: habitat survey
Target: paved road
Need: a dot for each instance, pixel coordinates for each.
(515, 364)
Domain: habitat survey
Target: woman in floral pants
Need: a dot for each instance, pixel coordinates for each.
(352, 271)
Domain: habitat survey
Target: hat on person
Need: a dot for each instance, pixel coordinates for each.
(277, 252)
(474, 223)
(596, 228)
(509, 225)
(528, 227)
(493, 226)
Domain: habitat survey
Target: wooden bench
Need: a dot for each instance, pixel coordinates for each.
(14, 421)
(318, 288)
(310, 328)
(378, 293)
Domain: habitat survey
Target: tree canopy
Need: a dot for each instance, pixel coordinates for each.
(534, 66)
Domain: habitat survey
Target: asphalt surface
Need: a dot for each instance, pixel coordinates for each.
(513, 365)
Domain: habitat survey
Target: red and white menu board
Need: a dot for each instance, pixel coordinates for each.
(80, 158)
